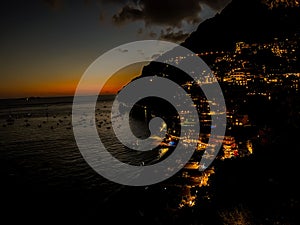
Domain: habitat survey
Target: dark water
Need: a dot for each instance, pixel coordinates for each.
(45, 180)
(41, 144)
(44, 175)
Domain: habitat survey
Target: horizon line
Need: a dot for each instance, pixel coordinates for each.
(54, 96)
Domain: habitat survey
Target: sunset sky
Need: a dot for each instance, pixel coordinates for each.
(47, 45)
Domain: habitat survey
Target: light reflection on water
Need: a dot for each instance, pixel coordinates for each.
(38, 150)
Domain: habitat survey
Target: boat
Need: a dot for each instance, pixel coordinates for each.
(162, 152)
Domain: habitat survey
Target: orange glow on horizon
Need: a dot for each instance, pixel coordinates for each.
(121, 78)
(66, 86)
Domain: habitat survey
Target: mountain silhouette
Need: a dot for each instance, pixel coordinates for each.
(241, 20)
(244, 20)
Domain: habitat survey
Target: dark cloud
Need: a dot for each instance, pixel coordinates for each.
(157, 12)
(173, 36)
(216, 4)
(170, 12)
(126, 14)
(152, 34)
(165, 12)
(170, 15)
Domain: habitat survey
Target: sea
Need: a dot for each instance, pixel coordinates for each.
(44, 175)
(45, 180)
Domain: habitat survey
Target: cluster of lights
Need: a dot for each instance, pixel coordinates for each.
(281, 3)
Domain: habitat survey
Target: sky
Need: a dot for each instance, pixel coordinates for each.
(46, 45)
